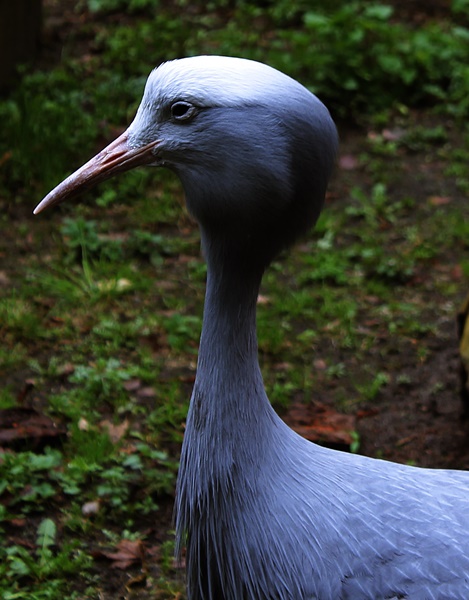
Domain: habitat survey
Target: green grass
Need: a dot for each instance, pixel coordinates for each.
(101, 301)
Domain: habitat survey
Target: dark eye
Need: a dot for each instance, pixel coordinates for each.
(180, 111)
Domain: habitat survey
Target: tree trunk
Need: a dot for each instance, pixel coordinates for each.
(20, 28)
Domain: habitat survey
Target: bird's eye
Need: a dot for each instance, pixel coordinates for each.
(181, 111)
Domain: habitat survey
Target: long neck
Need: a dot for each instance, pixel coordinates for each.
(232, 432)
(229, 382)
(228, 347)
(229, 413)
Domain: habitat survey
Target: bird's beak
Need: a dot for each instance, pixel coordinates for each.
(115, 158)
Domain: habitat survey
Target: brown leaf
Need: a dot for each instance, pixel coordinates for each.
(439, 200)
(319, 423)
(66, 369)
(17, 522)
(365, 413)
(132, 385)
(457, 272)
(27, 387)
(16, 541)
(348, 162)
(128, 552)
(146, 392)
(393, 135)
(320, 364)
(6, 156)
(4, 279)
(20, 424)
(406, 440)
(116, 432)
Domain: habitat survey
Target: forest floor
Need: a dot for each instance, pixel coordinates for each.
(362, 353)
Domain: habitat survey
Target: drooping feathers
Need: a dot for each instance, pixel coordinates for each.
(264, 514)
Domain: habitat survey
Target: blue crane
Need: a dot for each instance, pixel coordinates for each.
(263, 513)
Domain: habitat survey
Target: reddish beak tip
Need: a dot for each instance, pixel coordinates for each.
(115, 158)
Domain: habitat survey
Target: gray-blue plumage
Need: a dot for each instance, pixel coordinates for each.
(264, 514)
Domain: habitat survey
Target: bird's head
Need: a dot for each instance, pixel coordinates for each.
(253, 148)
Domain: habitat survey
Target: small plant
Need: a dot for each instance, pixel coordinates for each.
(336, 370)
(43, 573)
(370, 390)
(115, 5)
(102, 380)
(355, 445)
(121, 483)
(420, 138)
(182, 330)
(84, 238)
(25, 479)
(18, 317)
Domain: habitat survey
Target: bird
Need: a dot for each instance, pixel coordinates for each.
(262, 513)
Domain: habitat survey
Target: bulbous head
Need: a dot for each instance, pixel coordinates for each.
(253, 148)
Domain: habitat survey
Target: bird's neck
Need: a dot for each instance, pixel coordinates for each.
(231, 427)
(228, 374)
(229, 409)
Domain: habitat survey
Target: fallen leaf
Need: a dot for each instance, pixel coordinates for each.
(66, 369)
(128, 552)
(439, 200)
(132, 384)
(348, 162)
(146, 392)
(20, 424)
(6, 156)
(365, 413)
(28, 386)
(123, 284)
(83, 424)
(406, 440)
(16, 541)
(91, 508)
(393, 135)
(319, 423)
(115, 432)
(282, 366)
(320, 364)
(457, 272)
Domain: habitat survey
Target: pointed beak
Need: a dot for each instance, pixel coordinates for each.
(115, 158)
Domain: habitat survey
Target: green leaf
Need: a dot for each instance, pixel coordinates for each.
(380, 11)
(46, 533)
(315, 21)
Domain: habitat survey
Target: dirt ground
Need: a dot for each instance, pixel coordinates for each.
(417, 418)
(407, 422)
(413, 425)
